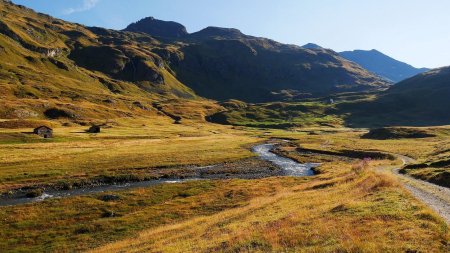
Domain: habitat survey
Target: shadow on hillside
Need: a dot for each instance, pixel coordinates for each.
(380, 114)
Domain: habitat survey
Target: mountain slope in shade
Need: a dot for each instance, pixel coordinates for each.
(422, 100)
(224, 63)
(382, 65)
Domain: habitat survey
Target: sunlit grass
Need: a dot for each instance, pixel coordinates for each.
(130, 146)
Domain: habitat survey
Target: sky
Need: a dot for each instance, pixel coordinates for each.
(413, 31)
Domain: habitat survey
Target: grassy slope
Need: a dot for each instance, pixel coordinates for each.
(337, 211)
(419, 101)
(32, 81)
(279, 115)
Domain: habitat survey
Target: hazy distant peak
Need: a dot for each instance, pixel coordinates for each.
(382, 65)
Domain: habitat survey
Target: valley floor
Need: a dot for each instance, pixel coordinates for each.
(349, 206)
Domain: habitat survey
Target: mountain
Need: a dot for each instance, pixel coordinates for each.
(213, 32)
(55, 69)
(422, 100)
(223, 63)
(312, 46)
(259, 70)
(382, 65)
(158, 28)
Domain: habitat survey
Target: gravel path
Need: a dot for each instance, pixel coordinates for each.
(436, 197)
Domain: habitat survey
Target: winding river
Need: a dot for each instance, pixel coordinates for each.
(289, 166)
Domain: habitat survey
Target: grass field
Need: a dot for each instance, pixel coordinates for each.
(432, 154)
(346, 208)
(338, 211)
(130, 146)
(342, 209)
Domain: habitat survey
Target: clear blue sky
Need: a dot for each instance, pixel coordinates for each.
(414, 31)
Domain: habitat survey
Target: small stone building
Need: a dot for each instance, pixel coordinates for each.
(94, 129)
(44, 131)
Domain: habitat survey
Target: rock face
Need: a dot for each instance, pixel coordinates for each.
(382, 65)
(158, 28)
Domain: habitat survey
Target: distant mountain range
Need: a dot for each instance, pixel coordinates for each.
(51, 68)
(383, 65)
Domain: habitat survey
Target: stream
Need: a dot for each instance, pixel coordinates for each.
(289, 166)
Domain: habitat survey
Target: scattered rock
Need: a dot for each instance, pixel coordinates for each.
(34, 193)
(140, 105)
(108, 214)
(94, 129)
(109, 197)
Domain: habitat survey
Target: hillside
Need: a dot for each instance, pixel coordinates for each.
(419, 101)
(49, 65)
(382, 65)
(224, 63)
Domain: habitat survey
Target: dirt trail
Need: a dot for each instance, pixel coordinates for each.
(436, 197)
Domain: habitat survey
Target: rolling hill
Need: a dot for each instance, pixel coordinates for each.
(382, 65)
(422, 100)
(49, 65)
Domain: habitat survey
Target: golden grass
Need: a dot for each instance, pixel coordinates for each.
(347, 208)
(365, 213)
(130, 146)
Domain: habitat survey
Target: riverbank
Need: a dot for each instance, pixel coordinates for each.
(269, 164)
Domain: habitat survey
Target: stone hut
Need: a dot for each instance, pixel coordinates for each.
(44, 131)
(94, 129)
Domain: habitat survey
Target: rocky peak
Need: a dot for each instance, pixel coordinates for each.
(158, 28)
(219, 32)
(312, 46)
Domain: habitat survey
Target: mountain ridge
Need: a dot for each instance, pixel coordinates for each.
(382, 64)
(216, 63)
(223, 63)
